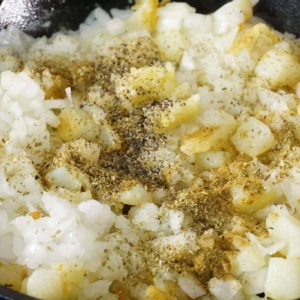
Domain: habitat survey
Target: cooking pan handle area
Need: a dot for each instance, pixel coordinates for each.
(8, 294)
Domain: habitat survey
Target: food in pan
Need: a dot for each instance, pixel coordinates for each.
(153, 154)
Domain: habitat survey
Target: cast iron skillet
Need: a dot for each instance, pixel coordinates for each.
(30, 15)
(7, 294)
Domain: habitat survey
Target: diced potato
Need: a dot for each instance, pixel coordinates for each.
(215, 118)
(72, 273)
(182, 90)
(254, 282)
(138, 290)
(171, 45)
(95, 290)
(169, 164)
(76, 124)
(169, 287)
(153, 293)
(176, 174)
(200, 141)
(250, 259)
(246, 7)
(96, 96)
(176, 114)
(294, 247)
(227, 18)
(251, 89)
(88, 151)
(283, 279)
(218, 128)
(109, 137)
(253, 137)
(149, 84)
(232, 15)
(257, 40)
(245, 62)
(137, 196)
(73, 292)
(36, 287)
(226, 289)
(283, 227)
(12, 276)
(175, 10)
(247, 203)
(212, 159)
(272, 101)
(190, 285)
(280, 68)
(172, 14)
(96, 112)
(195, 23)
(145, 217)
(159, 157)
(68, 178)
(144, 17)
(113, 269)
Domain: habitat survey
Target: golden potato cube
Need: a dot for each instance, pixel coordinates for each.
(76, 124)
(253, 137)
(200, 141)
(176, 114)
(153, 293)
(211, 160)
(147, 84)
(137, 195)
(72, 273)
(218, 128)
(144, 17)
(256, 40)
(171, 45)
(280, 68)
